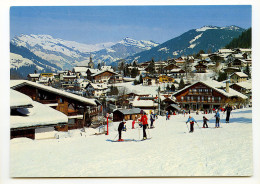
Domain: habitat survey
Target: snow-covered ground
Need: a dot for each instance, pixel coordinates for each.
(225, 151)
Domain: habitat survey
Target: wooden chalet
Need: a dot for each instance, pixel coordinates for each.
(115, 79)
(200, 68)
(167, 69)
(206, 95)
(147, 81)
(80, 111)
(238, 77)
(32, 119)
(102, 76)
(237, 63)
(33, 77)
(231, 70)
(177, 73)
(126, 114)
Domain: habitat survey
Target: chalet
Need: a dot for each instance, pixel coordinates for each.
(102, 76)
(159, 65)
(204, 56)
(80, 84)
(33, 77)
(80, 111)
(179, 61)
(244, 87)
(115, 79)
(32, 119)
(231, 70)
(91, 72)
(177, 73)
(173, 108)
(96, 90)
(80, 69)
(206, 95)
(237, 63)
(167, 69)
(126, 114)
(200, 68)
(238, 77)
(165, 79)
(145, 64)
(147, 81)
(203, 62)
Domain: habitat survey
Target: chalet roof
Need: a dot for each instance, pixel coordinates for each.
(245, 84)
(246, 50)
(144, 103)
(217, 86)
(177, 70)
(17, 83)
(100, 72)
(18, 99)
(69, 76)
(129, 111)
(39, 115)
(98, 86)
(200, 65)
(225, 51)
(33, 75)
(80, 69)
(93, 70)
(175, 107)
(240, 74)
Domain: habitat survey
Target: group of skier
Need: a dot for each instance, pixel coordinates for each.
(228, 110)
(143, 121)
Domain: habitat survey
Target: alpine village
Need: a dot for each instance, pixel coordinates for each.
(94, 94)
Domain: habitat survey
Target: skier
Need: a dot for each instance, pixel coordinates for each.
(205, 125)
(217, 115)
(144, 123)
(152, 119)
(167, 115)
(228, 109)
(120, 128)
(192, 121)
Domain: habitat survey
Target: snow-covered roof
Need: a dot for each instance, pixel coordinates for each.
(144, 103)
(80, 69)
(34, 75)
(69, 76)
(93, 70)
(217, 86)
(240, 74)
(225, 51)
(18, 99)
(128, 79)
(176, 70)
(245, 84)
(100, 72)
(16, 83)
(245, 50)
(130, 111)
(39, 115)
(99, 86)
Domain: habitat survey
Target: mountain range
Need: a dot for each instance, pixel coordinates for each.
(45, 53)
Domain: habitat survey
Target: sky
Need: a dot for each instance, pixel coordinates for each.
(99, 24)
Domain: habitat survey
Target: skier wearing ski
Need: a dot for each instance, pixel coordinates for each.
(205, 125)
(192, 121)
(228, 109)
(152, 119)
(144, 123)
(167, 115)
(120, 128)
(217, 115)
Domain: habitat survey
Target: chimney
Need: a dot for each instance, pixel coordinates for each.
(227, 86)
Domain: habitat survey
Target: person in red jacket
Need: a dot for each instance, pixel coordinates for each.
(144, 123)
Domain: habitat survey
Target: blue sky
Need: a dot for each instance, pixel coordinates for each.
(97, 24)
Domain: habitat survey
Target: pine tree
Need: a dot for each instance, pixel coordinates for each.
(134, 72)
(151, 67)
(168, 87)
(172, 87)
(247, 71)
(134, 64)
(182, 84)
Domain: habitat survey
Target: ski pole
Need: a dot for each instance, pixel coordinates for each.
(198, 125)
(187, 127)
(115, 136)
(148, 132)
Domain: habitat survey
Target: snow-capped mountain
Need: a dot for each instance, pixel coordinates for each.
(205, 38)
(23, 62)
(66, 54)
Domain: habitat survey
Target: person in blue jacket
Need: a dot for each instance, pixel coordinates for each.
(192, 121)
(217, 115)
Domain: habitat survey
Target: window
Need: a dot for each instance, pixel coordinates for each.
(182, 98)
(202, 98)
(188, 98)
(209, 99)
(191, 98)
(198, 98)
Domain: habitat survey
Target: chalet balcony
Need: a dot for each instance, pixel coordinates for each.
(48, 101)
(199, 101)
(200, 93)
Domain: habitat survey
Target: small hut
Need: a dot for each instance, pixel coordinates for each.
(127, 114)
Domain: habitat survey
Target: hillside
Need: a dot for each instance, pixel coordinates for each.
(191, 42)
(243, 41)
